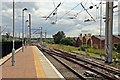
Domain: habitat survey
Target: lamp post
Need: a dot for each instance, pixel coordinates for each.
(0, 44)
(26, 32)
(13, 50)
(41, 35)
(29, 29)
(0, 32)
(23, 28)
(45, 34)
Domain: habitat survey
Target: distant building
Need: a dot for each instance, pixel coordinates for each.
(95, 40)
(82, 40)
(79, 41)
(116, 39)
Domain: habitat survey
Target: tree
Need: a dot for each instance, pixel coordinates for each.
(57, 37)
(7, 35)
(118, 46)
(68, 41)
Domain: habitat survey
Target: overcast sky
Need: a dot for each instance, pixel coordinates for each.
(72, 27)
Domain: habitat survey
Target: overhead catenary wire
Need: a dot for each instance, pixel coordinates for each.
(56, 9)
(54, 3)
(116, 11)
(70, 10)
(53, 11)
(4, 29)
(97, 6)
(92, 3)
(87, 11)
(80, 10)
(53, 16)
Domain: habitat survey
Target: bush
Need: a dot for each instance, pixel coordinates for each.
(79, 49)
(6, 40)
(49, 41)
(67, 41)
(58, 36)
(118, 47)
(83, 48)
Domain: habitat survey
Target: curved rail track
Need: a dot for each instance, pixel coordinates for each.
(105, 71)
(102, 66)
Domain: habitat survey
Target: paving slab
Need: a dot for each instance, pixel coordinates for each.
(29, 64)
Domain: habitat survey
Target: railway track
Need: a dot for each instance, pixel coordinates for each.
(68, 67)
(79, 58)
(106, 72)
(77, 76)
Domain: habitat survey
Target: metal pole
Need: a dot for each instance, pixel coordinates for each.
(106, 31)
(119, 18)
(25, 33)
(19, 35)
(41, 35)
(22, 30)
(13, 50)
(0, 32)
(45, 34)
(29, 29)
(26, 27)
(100, 22)
(110, 32)
(0, 45)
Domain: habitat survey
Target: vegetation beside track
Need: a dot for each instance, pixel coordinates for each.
(89, 52)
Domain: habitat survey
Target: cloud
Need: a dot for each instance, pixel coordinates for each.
(40, 8)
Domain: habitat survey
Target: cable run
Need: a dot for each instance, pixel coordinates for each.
(70, 10)
(81, 10)
(54, 10)
(87, 12)
(54, 3)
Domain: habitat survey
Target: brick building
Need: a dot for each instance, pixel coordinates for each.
(95, 40)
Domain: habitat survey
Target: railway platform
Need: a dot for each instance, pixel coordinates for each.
(31, 63)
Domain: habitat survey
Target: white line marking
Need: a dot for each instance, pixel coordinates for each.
(58, 73)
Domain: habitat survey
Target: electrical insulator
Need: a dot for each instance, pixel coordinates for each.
(91, 7)
(53, 13)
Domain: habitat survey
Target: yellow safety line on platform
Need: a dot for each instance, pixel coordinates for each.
(39, 70)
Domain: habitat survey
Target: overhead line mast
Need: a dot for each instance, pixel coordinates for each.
(108, 31)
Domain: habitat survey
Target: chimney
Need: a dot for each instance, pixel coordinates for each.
(86, 36)
(80, 37)
(80, 34)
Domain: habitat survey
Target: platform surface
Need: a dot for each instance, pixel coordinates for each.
(31, 63)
